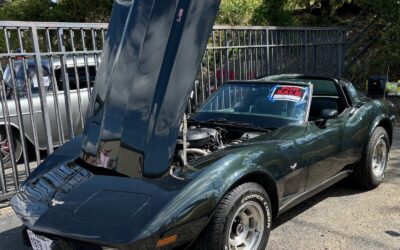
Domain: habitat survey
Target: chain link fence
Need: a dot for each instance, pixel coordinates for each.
(47, 71)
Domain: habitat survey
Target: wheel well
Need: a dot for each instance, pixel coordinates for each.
(16, 134)
(15, 130)
(267, 183)
(386, 124)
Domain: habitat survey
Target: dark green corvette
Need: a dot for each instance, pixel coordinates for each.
(140, 178)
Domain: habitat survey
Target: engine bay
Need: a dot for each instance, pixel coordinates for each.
(198, 141)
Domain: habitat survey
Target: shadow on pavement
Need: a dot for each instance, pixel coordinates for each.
(342, 188)
(12, 239)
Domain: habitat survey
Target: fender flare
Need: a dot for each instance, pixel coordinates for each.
(16, 127)
(384, 122)
(261, 177)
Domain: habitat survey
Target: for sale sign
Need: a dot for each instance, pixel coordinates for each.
(289, 93)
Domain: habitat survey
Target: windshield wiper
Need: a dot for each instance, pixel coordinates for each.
(223, 121)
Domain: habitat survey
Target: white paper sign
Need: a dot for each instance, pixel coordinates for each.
(39, 242)
(46, 82)
(35, 82)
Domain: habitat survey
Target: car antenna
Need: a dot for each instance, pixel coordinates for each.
(387, 81)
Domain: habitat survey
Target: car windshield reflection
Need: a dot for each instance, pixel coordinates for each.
(262, 100)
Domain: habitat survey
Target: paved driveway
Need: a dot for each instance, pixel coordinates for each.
(344, 217)
(341, 217)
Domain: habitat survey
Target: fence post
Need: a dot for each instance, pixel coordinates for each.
(66, 88)
(267, 43)
(340, 52)
(306, 51)
(42, 91)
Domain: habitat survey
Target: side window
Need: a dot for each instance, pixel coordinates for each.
(351, 91)
(32, 74)
(325, 96)
(84, 80)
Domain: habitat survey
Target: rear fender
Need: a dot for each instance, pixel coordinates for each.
(382, 121)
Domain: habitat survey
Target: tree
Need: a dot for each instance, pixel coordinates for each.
(327, 7)
(389, 44)
(62, 10)
(83, 10)
(27, 10)
(273, 12)
(237, 12)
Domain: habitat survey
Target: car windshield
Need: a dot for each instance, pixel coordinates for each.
(257, 103)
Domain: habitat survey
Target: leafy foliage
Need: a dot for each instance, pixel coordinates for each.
(232, 12)
(83, 10)
(62, 10)
(273, 12)
(238, 12)
(27, 10)
(386, 53)
(255, 12)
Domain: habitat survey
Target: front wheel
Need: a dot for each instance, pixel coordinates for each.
(242, 221)
(370, 171)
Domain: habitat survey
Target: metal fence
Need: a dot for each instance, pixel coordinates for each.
(48, 69)
(241, 53)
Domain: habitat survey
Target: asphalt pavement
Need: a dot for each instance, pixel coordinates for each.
(341, 217)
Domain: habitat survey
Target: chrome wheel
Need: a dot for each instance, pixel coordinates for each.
(247, 227)
(379, 157)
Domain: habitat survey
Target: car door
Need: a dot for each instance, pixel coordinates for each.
(296, 159)
(325, 149)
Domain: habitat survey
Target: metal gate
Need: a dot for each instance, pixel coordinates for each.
(48, 69)
(241, 53)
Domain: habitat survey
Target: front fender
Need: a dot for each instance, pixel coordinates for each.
(196, 203)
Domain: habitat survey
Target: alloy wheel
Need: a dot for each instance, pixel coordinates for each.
(247, 227)
(379, 157)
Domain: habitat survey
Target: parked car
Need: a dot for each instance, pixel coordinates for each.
(51, 73)
(140, 178)
(257, 148)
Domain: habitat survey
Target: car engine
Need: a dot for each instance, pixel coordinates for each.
(198, 141)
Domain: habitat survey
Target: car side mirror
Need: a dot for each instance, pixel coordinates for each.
(327, 114)
(195, 107)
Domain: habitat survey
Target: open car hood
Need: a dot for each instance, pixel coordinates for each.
(150, 60)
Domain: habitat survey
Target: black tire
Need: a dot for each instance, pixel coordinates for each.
(217, 234)
(4, 144)
(366, 173)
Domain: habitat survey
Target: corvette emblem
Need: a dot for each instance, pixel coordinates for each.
(55, 202)
(293, 167)
(180, 15)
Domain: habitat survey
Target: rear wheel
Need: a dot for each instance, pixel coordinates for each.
(242, 221)
(5, 147)
(370, 171)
